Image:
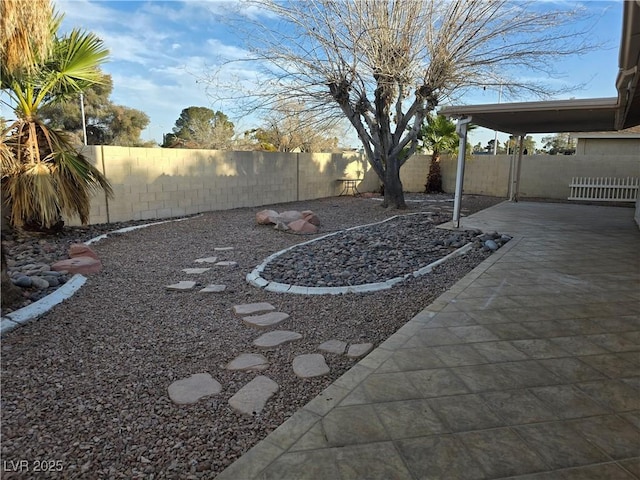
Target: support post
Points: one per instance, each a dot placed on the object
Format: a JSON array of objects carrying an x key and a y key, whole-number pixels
[
  {"x": 516, "y": 167},
  {"x": 461, "y": 130}
]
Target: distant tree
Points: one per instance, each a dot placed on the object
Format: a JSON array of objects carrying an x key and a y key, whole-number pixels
[
  {"x": 292, "y": 127},
  {"x": 490, "y": 146},
  {"x": 559, "y": 144},
  {"x": 201, "y": 127},
  {"x": 477, "y": 148},
  {"x": 106, "y": 122}
]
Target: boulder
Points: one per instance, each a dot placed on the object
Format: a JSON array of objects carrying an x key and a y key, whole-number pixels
[
  {"x": 289, "y": 216},
  {"x": 265, "y": 217},
  {"x": 82, "y": 265},
  {"x": 81, "y": 250},
  {"x": 302, "y": 226},
  {"x": 311, "y": 217},
  {"x": 281, "y": 226}
]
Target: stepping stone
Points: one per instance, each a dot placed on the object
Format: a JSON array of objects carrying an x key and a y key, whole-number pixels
[
  {"x": 333, "y": 346},
  {"x": 252, "y": 398},
  {"x": 195, "y": 270},
  {"x": 192, "y": 389},
  {"x": 206, "y": 260},
  {"x": 248, "y": 361},
  {"x": 265, "y": 320},
  {"x": 359, "y": 350},
  {"x": 222, "y": 249},
  {"x": 213, "y": 289},
  {"x": 310, "y": 365},
  {"x": 227, "y": 263},
  {"x": 249, "y": 308},
  {"x": 182, "y": 285},
  {"x": 275, "y": 338}
]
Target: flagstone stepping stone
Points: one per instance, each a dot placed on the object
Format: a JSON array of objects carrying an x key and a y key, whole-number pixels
[
  {"x": 252, "y": 398},
  {"x": 249, "y": 308},
  {"x": 333, "y": 346},
  {"x": 182, "y": 285},
  {"x": 226, "y": 263},
  {"x": 195, "y": 270},
  {"x": 359, "y": 350},
  {"x": 266, "y": 319},
  {"x": 275, "y": 338},
  {"x": 223, "y": 249},
  {"x": 248, "y": 361},
  {"x": 193, "y": 388},
  {"x": 310, "y": 365},
  {"x": 213, "y": 289},
  {"x": 206, "y": 260}
]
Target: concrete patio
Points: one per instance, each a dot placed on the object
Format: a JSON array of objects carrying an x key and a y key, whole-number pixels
[{"x": 529, "y": 367}]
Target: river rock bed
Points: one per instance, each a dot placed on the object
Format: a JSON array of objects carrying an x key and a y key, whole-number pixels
[{"x": 374, "y": 253}]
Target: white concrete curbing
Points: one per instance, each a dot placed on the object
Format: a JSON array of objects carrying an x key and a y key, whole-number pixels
[{"x": 34, "y": 310}]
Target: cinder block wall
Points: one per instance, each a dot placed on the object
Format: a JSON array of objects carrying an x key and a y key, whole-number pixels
[
  {"x": 151, "y": 183},
  {"x": 542, "y": 176}
]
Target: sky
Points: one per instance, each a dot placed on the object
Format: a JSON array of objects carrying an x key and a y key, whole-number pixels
[{"x": 160, "y": 51}]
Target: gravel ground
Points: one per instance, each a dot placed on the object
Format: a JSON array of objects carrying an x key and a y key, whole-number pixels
[{"x": 86, "y": 384}]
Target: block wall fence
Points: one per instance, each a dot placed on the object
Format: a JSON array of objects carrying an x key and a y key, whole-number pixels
[{"x": 155, "y": 183}]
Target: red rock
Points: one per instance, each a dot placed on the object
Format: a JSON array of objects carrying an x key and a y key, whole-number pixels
[
  {"x": 312, "y": 218},
  {"x": 289, "y": 216},
  {"x": 302, "y": 226},
  {"x": 81, "y": 250},
  {"x": 265, "y": 217},
  {"x": 82, "y": 265}
]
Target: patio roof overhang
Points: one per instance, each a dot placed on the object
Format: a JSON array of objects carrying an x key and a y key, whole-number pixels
[
  {"x": 590, "y": 115},
  {"x": 585, "y": 115}
]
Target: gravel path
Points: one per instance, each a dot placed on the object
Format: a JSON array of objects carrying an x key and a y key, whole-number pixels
[{"x": 86, "y": 384}]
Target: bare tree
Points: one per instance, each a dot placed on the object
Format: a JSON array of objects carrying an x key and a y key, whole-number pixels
[
  {"x": 385, "y": 64},
  {"x": 290, "y": 127}
]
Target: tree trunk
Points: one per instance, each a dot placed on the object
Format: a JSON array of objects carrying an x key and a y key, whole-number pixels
[
  {"x": 393, "y": 193},
  {"x": 434, "y": 177}
]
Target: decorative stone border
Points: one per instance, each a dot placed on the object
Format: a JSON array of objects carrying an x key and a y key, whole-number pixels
[
  {"x": 34, "y": 310},
  {"x": 254, "y": 278}
]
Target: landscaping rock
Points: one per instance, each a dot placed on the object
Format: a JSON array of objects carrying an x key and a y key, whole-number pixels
[
  {"x": 266, "y": 217},
  {"x": 276, "y": 338},
  {"x": 81, "y": 250},
  {"x": 195, "y": 271},
  {"x": 359, "y": 350},
  {"x": 82, "y": 265},
  {"x": 310, "y": 365},
  {"x": 182, "y": 285},
  {"x": 213, "y": 289},
  {"x": 252, "y": 398},
  {"x": 249, "y": 361},
  {"x": 302, "y": 226},
  {"x": 333, "y": 346},
  {"x": 289, "y": 216},
  {"x": 192, "y": 389},
  {"x": 311, "y": 217},
  {"x": 249, "y": 308},
  {"x": 265, "y": 320}
]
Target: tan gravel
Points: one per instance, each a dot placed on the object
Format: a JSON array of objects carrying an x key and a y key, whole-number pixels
[{"x": 86, "y": 384}]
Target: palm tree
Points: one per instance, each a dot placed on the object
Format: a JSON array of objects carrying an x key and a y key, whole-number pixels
[
  {"x": 438, "y": 134},
  {"x": 42, "y": 173},
  {"x": 26, "y": 35}
]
